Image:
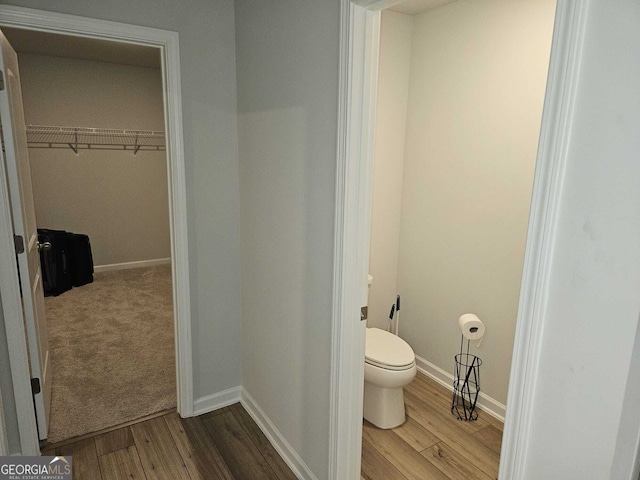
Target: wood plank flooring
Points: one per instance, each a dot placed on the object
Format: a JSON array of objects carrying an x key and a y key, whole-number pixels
[
  {"x": 228, "y": 445},
  {"x": 225, "y": 444},
  {"x": 432, "y": 444}
]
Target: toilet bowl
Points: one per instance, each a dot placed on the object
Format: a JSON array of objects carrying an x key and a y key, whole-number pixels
[{"x": 390, "y": 364}]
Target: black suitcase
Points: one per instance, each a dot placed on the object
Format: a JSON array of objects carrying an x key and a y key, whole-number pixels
[
  {"x": 54, "y": 262},
  {"x": 80, "y": 259}
]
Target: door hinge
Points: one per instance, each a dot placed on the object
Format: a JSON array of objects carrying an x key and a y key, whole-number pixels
[
  {"x": 35, "y": 386},
  {"x": 364, "y": 312},
  {"x": 1, "y": 80},
  {"x": 18, "y": 240}
]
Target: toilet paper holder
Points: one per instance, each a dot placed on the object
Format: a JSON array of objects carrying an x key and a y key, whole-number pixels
[{"x": 466, "y": 384}]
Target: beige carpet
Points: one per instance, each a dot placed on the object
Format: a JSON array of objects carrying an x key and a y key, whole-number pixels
[{"x": 112, "y": 351}]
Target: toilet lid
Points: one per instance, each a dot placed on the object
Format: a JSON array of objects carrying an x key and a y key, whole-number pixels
[{"x": 387, "y": 350}]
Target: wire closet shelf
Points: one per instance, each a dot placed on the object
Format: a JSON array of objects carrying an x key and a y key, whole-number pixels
[{"x": 86, "y": 138}]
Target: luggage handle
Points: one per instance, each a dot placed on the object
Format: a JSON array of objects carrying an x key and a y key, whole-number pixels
[{"x": 44, "y": 246}]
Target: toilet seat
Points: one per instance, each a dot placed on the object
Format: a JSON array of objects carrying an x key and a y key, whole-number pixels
[
  {"x": 390, "y": 365},
  {"x": 388, "y": 351}
]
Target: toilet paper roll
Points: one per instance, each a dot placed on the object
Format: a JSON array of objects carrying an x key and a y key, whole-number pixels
[{"x": 471, "y": 326}]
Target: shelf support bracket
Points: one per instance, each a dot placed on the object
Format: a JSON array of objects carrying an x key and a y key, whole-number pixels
[
  {"x": 75, "y": 148},
  {"x": 136, "y": 147}
]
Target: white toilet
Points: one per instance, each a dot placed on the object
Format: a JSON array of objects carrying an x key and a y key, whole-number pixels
[{"x": 390, "y": 364}]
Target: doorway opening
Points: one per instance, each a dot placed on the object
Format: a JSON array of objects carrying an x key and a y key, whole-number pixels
[
  {"x": 176, "y": 272},
  {"x": 95, "y": 136},
  {"x": 359, "y": 48},
  {"x": 456, "y": 136}
]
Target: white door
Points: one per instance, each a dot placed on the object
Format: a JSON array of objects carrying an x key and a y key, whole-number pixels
[{"x": 16, "y": 157}]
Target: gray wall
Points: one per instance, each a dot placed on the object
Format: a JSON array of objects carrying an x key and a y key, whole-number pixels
[
  {"x": 591, "y": 315},
  {"x": 287, "y": 62},
  {"x": 118, "y": 199},
  {"x": 207, "y": 60}
]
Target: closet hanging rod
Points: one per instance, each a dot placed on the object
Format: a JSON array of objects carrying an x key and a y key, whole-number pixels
[{"x": 87, "y": 138}]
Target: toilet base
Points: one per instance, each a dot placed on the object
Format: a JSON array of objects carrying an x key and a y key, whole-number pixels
[{"x": 384, "y": 407}]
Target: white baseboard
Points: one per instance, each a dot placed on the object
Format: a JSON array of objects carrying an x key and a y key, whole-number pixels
[
  {"x": 485, "y": 402},
  {"x": 217, "y": 400},
  {"x": 126, "y": 265},
  {"x": 278, "y": 441}
]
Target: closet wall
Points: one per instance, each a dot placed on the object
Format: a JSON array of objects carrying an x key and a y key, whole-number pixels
[{"x": 118, "y": 199}]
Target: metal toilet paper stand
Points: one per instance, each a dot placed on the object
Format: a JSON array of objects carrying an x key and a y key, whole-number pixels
[{"x": 466, "y": 384}]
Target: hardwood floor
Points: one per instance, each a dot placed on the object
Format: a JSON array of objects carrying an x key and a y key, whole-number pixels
[
  {"x": 228, "y": 445},
  {"x": 225, "y": 444},
  {"x": 432, "y": 444}
]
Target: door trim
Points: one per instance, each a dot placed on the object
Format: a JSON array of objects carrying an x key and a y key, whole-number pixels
[
  {"x": 555, "y": 135},
  {"x": 4, "y": 442},
  {"x": 14, "y": 327},
  {"x": 359, "y": 38},
  {"x": 167, "y": 43}
]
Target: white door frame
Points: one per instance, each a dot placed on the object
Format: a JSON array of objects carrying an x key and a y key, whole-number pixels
[
  {"x": 359, "y": 39},
  {"x": 167, "y": 43},
  {"x": 4, "y": 442}
]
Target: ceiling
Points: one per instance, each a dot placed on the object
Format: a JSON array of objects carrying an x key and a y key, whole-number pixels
[
  {"x": 413, "y": 7},
  {"x": 57, "y": 45}
]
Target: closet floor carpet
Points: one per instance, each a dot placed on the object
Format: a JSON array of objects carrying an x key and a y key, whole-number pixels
[{"x": 112, "y": 351}]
